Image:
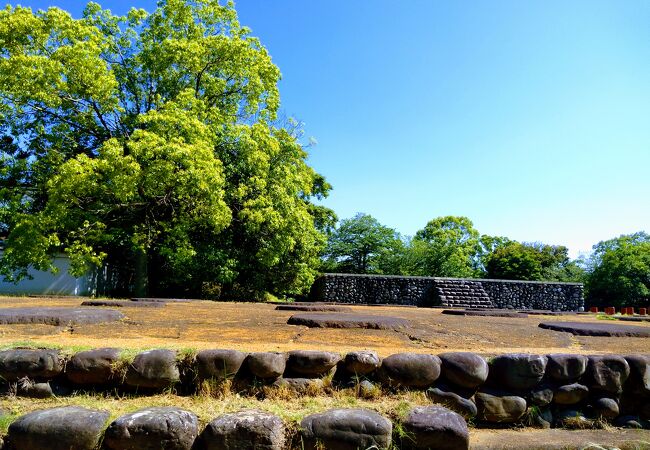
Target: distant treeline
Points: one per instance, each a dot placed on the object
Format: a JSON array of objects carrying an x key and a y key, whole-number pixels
[{"x": 617, "y": 271}]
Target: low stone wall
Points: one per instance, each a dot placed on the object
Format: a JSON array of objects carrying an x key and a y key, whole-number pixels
[
  {"x": 541, "y": 390},
  {"x": 431, "y": 291}
]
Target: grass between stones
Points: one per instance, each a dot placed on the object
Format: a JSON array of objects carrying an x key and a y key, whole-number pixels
[{"x": 219, "y": 399}]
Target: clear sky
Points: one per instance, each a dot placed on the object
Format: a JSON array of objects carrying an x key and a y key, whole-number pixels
[{"x": 532, "y": 118}]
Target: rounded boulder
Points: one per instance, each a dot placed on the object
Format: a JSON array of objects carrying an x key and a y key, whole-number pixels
[
  {"x": 311, "y": 363},
  {"x": 252, "y": 429},
  {"x": 346, "y": 429},
  {"x": 92, "y": 367},
  {"x": 153, "y": 429},
  {"x": 499, "y": 408},
  {"x": 218, "y": 364},
  {"x": 517, "y": 371},
  {"x": 361, "y": 362},
  {"x": 465, "y": 369},
  {"x": 153, "y": 369},
  {"x": 65, "y": 428},
  {"x": 563, "y": 367},
  {"x": 266, "y": 365},
  {"x": 435, "y": 427},
  {"x": 410, "y": 370}
]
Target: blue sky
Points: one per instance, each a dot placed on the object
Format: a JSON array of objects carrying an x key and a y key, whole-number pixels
[{"x": 532, "y": 118}]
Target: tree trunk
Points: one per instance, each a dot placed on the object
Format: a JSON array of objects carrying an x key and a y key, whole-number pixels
[{"x": 141, "y": 288}]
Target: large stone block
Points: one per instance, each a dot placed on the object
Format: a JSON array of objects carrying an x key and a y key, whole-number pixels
[
  {"x": 34, "y": 364},
  {"x": 410, "y": 370},
  {"x": 563, "y": 367},
  {"x": 517, "y": 371},
  {"x": 435, "y": 427},
  {"x": 218, "y": 364},
  {"x": 639, "y": 379},
  {"x": 453, "y": 401},
  {"x": 65, "y": 428},
  {"x": 311, "y": 363},
  {"x": 267, "y": 365},
  {"x": 346, "y": 429},
  {"x": 607, "y": 373},
  {"x": 464, "y": 369},
  {"x": 570, "y": 394},
  {"x": 497, "y": 407},
  {"x": 361, "y": 362},
  {"x": 250, "y": 429},
  {"x": 93, "y": 367},
  {"x": 153, "y": 369},
  {"x": 153, "y": 429}
]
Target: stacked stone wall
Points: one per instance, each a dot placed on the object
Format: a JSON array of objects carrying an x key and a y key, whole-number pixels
[
  {"x": 433, "y": 291},
  {"x": 563, "y": 390}
]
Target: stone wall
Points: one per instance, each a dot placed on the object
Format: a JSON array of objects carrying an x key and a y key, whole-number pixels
[
  {"x": 430, "y": 291},
  {"x": 564, "y": 390}
]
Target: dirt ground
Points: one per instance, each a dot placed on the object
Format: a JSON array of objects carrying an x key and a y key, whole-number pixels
[
  {"x": 559, "y": 439},
  {"x": 259, "y": 327}
]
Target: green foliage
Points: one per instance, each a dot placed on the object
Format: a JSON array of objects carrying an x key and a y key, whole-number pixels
[
  {"x": 619, "y": 271},
  {"x": 449, "y": 247},
  {"x": 148, "y": 140},
  {"x": 536, "y": 261},
  {"x": 362, "y": 245}
]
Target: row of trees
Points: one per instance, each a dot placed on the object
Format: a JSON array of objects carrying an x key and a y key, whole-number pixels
[{"x": 617, "y": 272}]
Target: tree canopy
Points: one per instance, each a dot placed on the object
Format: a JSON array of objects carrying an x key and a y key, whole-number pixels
[
  {"x": 152, "y": 138},
  {"x": 619, "y": 271},
  {"x": 362, "y": 245}
]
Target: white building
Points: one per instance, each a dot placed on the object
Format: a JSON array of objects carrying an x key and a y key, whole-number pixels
[{"x": 60, "y": 283}]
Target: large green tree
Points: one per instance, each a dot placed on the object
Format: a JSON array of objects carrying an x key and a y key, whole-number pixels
[
  {"x": 532, "y": 261},
  {"x": 447, "y": 247},
  {"x": 363, "y": 245},
  {"x": 148, "y": 141},
  {"x": 619, "y": 271}
]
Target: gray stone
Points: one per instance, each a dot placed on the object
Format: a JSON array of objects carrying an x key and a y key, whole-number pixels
[
  {"x": 597, "y": 329},
  {"x": 347, "y": 320},
  {"x": 570, "y": 394},
  {"x": 313, "y": 308},
  {"x": 311, "y": 363},
  {"x": 34, "y": 390},
  {"x": 607, "y": 373},
  {"x": 453, "y": 401},
  {"x": 563, "y": 367},
  {"x": 541, "y": 396},
  {"x": 300, "y": 385},
  {"x": 606, "y": 407},
  {"x": 638, "y": 381},
  {"x": 464, "y": 369},
  {"x": 218, "y": 364},
  {"x": 410, "y": 370},
  {"x": 361, "y": 362},
  {"x": 93, "y": 367},
  {"x": 153, "y": 369},
  {"x": 123, "y": 303},
  {"x": 58, "y": 316},
  {"x": 499, "y": 407},
  {"x": 266, "y": 365},
  {"x": 629, "y": 421},
  {"x": 367, "y": 389},
  {"x": 517, "y": 371},
  {"x": 33, "y": 364},
  {"x": 153, "y": 429},
  {"x": 250, "y": 429},
  {"x": 346, "y": 429},
  {"x": 65, "y": 428},
  {"x": 435, "y": 427}
]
